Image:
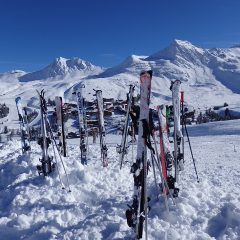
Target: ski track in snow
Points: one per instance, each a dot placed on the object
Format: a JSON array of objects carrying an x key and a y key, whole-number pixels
[{"x": 34, "y": 207}]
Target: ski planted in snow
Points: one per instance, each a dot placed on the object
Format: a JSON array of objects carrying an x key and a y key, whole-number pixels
[
  {"x": 47, "y": 166},
  {"x": 83, "y": 132},
  {"x": 166, "y": 157},
  {"x": 123, "y": 148},
  {"x": 102, "y": 131},
  {"x": 137, "y": 213},
  {"x": 60, "y": 124},
  {"x": 23, "y": 126},
  {"x": 177, "y": 137},
  {"x": 163, "y": 150}
]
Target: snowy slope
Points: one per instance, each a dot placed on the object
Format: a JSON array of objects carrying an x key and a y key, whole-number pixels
[
  {"x": 9, "y": 81},
  {"x": 34, "y": 207},
  {"x": 225, "y": 65}
]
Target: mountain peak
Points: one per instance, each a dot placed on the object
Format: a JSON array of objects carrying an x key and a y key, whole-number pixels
[
  {"x": 182, "y": 42},
  {"x": 178, "y": 49},
  {"x": 60, "y": 60},
  {"x": 60, "y": 67},
  {"x": 132, "y": 64}
]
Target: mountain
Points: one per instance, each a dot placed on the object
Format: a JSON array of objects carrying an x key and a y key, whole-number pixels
[
  {"x": 225, "y": 66},
  {"x": 61, "y": 67},
  {"x": 132, "y": 65},
  {"x": 209, "y": 77},
  {"x": 192, "y": 65},
  {"x": 10, "y": 81},
  {"x": 181, "y": 51}
]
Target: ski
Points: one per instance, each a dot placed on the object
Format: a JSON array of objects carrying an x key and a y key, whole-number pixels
[
  {"x": 138, "y": 211},
  {"x": 178, "y": 155},
  {"x": 85, "y": 125},
  {"x": 55, "y": 145},
  {"x": 163, "y": 150},
  {"x": 83, "y": 132},
  {"x": 123, "y": 148},
  {"x": 47, "y": 166},
  {"x": 166, "y": 157},
  {"x": 23, "y": 126},
  {"x": 101, "y": 126},
  {"x": 60, "y": 124}
]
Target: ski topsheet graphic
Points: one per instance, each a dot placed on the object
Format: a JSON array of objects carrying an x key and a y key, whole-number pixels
[{"x": 23, "y": 125}]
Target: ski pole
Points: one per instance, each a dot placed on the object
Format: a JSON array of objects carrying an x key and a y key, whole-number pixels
[
  {"x": 183, "y": 119},
  {"x": 191, "y": 151},
  {"x": 54, "y": 140}
]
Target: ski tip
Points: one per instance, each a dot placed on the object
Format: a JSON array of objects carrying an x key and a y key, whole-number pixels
[{"x": 17, "y": 99}]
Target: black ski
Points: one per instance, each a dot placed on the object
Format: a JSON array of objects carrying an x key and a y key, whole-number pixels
[
  {"x": 123, "y": 148},
  {"x": 60, "y": 123},
  {"x": 47, "y": 166},
  {"x": 23, "y": 126}
]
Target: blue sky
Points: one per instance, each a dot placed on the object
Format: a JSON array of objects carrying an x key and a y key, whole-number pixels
[{"x": 105, "y": 32}]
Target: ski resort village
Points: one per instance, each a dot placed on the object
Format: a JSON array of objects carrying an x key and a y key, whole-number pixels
[{"x": 147, "y": 149}]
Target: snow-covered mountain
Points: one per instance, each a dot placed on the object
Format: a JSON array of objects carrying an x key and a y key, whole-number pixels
[
  {"x": 61, "y": 67},
  {"x": 132, "y": 65},
  {"x": 182, "y": 60},
  {"x": 209, "y": 77},
  {"x": 9, "y": 81}
]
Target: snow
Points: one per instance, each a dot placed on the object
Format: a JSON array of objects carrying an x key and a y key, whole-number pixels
[{"x": 34, "y": 207}]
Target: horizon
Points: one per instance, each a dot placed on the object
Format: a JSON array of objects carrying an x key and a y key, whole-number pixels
[{"x": 105, "y": 33}]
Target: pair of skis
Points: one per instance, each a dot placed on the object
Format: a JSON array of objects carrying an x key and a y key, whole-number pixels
[
  {"x": 83, "y": 125},
  {"x": 101, "y": 127},
  {"x": 178, "y": 134},
  {"x": 83, "y": 132},
  {"x": 47, "y": 137},
  {"x": 47, "y": 166},
  {"x": 60, "y": 124},
  {"x": 24, "y": 128},
  {"x": 122, "y": 149},
  {"x": 167, "y": 115}
]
